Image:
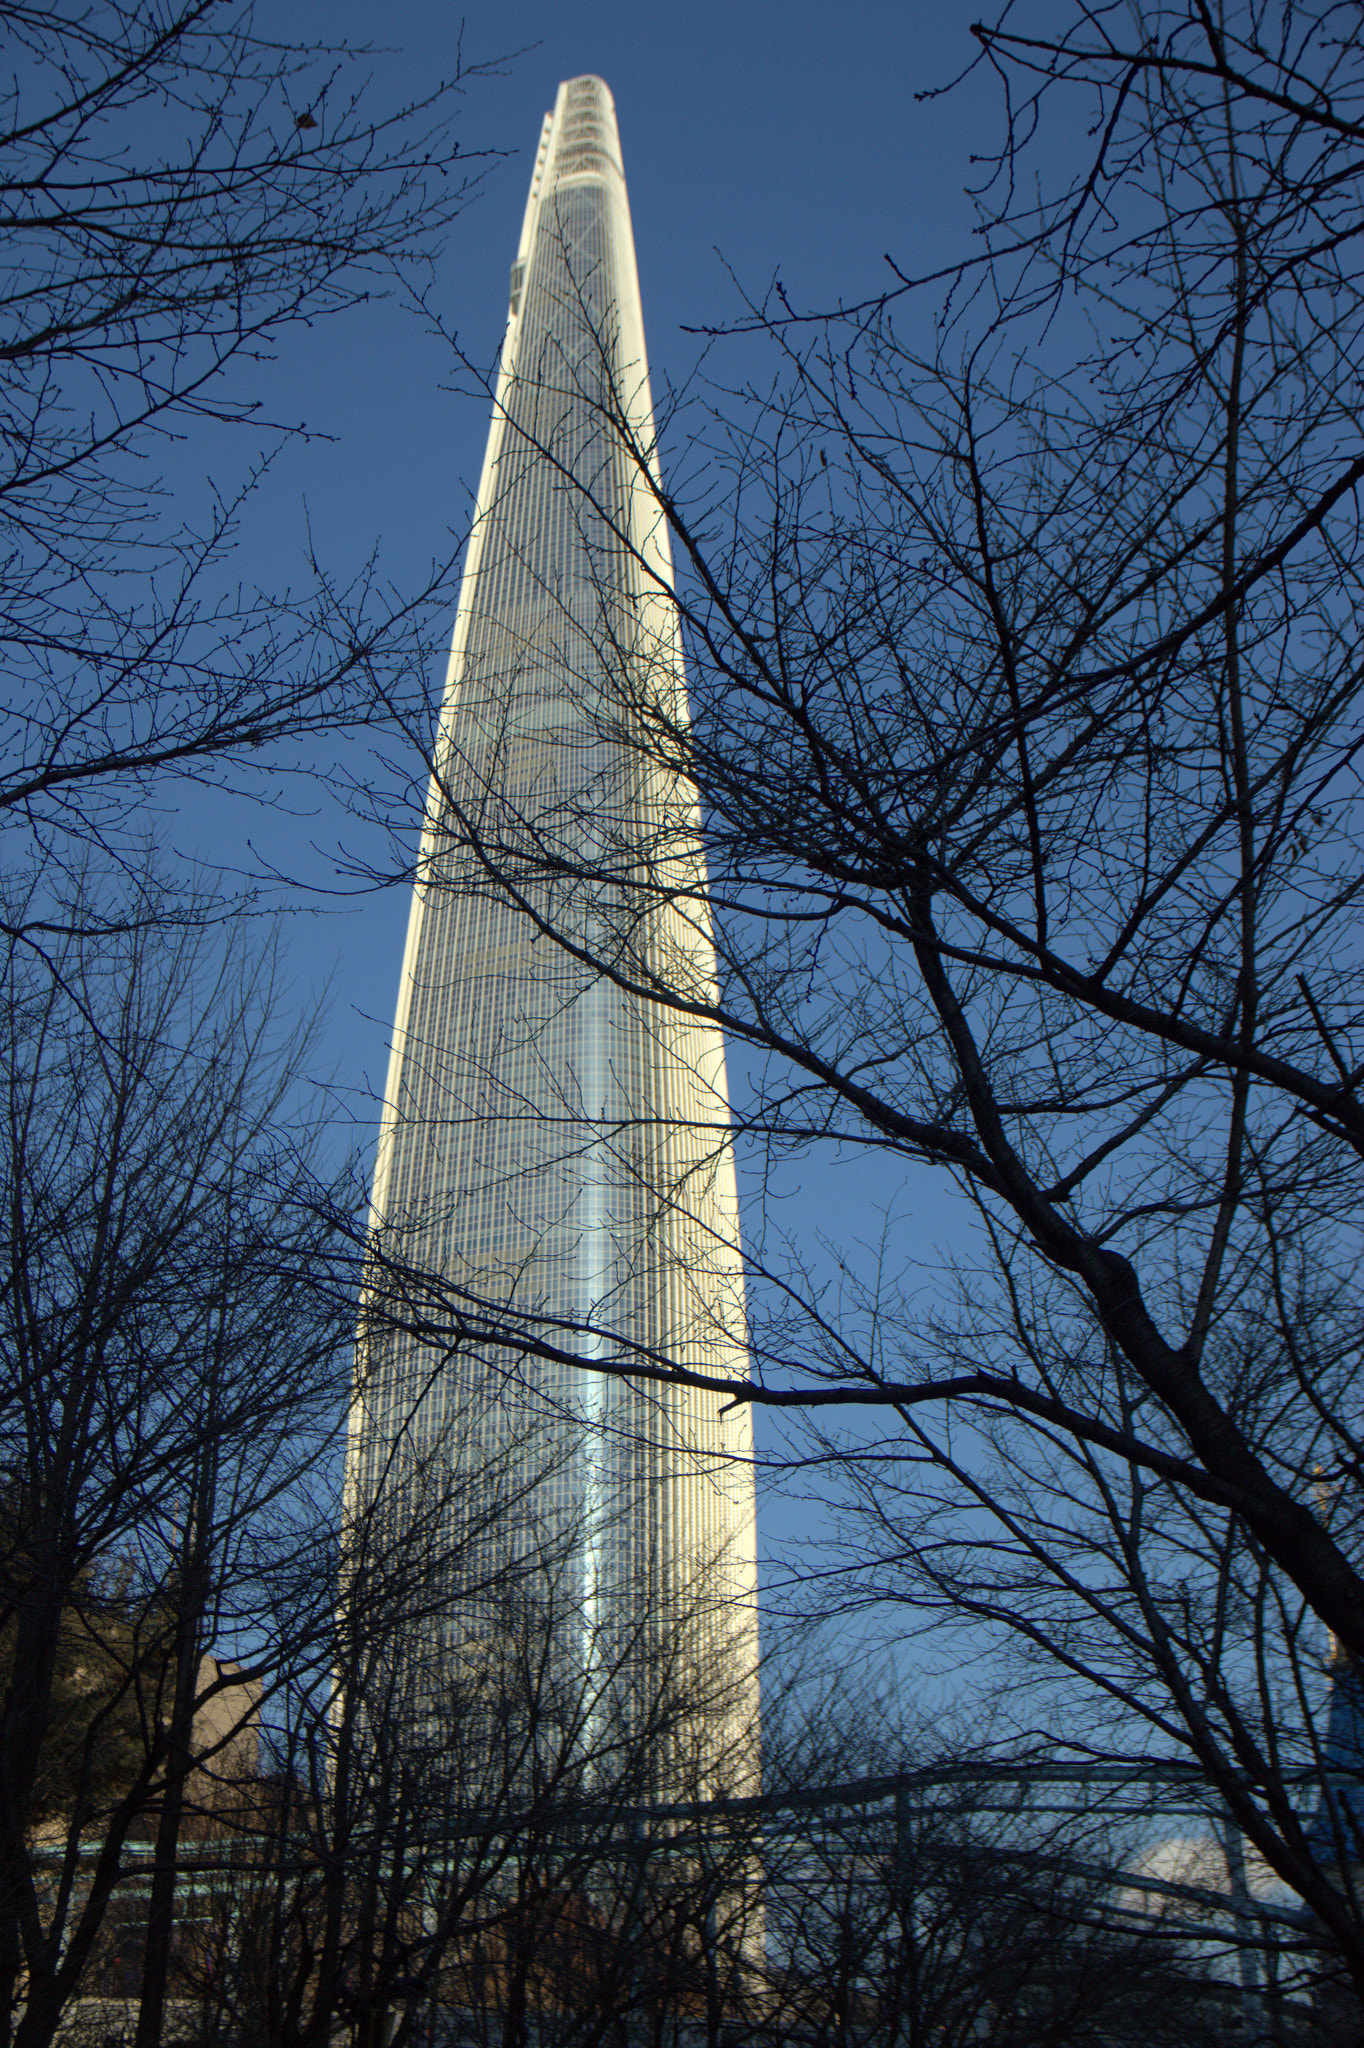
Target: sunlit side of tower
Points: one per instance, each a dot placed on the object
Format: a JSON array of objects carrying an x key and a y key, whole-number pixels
[{"x": 554, "y": 1145}]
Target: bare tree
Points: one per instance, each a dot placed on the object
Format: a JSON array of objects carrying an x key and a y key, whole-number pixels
[
  {"x": 175, "y": 1365},
  {"x": 957, "y": 1894},
  {"x": 1023, "y": 662},
  {"x": 179, "y": 188},
  {"x": 457, "y": 1830}
]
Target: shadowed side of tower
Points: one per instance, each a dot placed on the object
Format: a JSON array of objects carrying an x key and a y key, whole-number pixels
[{"x": 554, "y": 1191}]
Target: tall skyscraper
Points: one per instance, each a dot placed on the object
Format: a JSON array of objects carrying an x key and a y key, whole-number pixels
[{"x": 555, "y": 1144}]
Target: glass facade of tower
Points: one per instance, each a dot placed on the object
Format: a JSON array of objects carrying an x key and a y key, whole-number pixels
[{"x": 554, "y": 1145}]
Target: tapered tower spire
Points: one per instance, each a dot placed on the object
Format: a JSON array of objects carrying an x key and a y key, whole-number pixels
[{"x": 554, "y": 1207}]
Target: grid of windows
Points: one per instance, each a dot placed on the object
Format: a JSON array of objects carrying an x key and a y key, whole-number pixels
[{"x": 549, "y": 1142}]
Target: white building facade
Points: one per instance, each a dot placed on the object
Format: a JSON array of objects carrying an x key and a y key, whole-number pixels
[{"x": 555, "y": 1149}]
